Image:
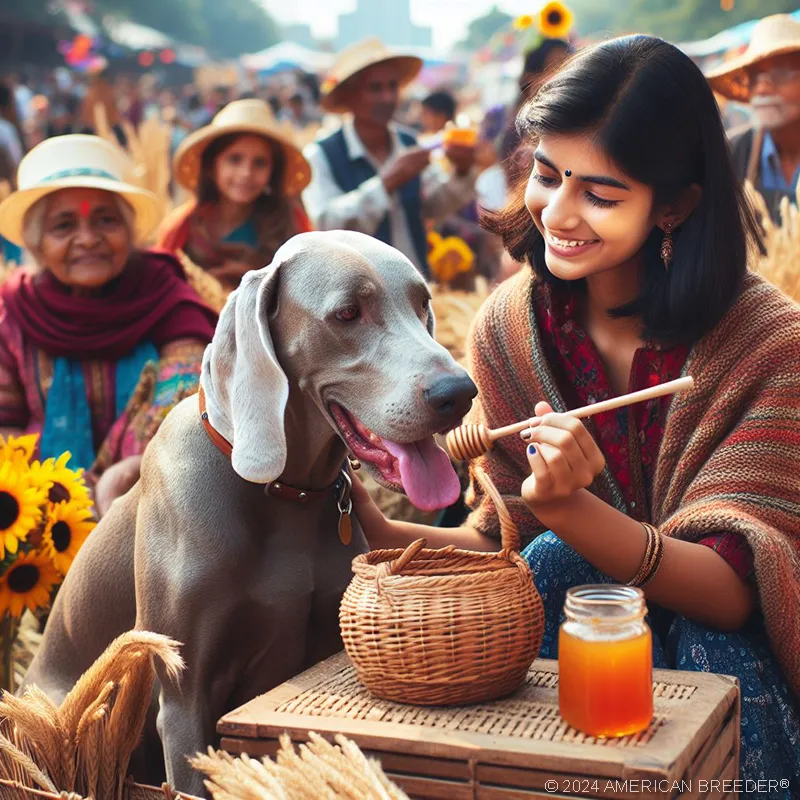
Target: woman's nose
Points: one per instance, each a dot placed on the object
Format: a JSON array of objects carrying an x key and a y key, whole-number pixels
[
  {"x": 86, "y": 235},
  {"x": 560, "y": 214}
]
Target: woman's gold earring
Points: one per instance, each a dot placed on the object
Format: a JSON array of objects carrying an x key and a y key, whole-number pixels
[
  {"x": 667, "y": 245},
  {"x": 355, "y": 464}
]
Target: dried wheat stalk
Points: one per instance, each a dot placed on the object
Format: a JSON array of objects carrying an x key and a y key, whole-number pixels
[
  {"x": 781, "y": 264},
  {"x": 318, "y": 770},
  {"x": 84, "y": 746}
]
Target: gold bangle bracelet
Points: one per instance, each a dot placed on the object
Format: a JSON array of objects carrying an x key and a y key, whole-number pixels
[{"x": 649, "y": 555}]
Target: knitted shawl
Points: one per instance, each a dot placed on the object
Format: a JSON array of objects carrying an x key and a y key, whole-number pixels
[{"x": 730, "y": 457}]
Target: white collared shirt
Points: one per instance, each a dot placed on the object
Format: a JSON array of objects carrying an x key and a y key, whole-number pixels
[{"x": 364, "y": 208}]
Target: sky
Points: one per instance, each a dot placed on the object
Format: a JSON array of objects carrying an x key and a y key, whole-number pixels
[{"x": 448, "y": 18}]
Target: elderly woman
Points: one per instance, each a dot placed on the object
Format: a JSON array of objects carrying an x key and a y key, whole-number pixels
[{"x": 99, "y": 339}]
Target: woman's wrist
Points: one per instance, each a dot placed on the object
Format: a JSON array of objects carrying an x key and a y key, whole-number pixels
[{"x": 556, "y": 513}]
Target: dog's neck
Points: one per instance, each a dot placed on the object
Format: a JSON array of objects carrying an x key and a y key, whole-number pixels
[{"x": 315, "y": 453}]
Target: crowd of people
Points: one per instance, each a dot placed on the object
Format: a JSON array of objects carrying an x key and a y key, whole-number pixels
[{"x": 606, "y": 186}]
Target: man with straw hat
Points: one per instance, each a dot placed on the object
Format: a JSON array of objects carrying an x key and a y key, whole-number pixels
[
  {"x": 370, "y": 175},
  {"x": 767, "y": 77}
]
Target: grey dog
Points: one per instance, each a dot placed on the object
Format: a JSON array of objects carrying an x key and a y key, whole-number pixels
[{"x": 328, "y": 349}]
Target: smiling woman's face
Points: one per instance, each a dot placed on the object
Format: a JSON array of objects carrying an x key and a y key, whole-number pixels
[
  {"x": 85, "y": 240},
  {"x": 593, "y": 219}
]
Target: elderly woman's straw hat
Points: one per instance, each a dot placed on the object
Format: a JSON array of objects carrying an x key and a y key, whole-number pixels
[
  {"x": 356, "y": 59},
  {"x": 241, "y": 116},
  {"x": 76, "y": 161},
  {"x": 772, "y": 36}
]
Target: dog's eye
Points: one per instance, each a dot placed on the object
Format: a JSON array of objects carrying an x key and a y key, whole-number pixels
[{"x": 348, "y": 314}]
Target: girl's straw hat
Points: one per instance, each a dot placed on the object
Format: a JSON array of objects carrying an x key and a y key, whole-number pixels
[
  {"x": 356, "y": 59},
  {"x": 241, "y": 116},
  {"x": 772, "y": 36},
  {"x": 70, "y": 162}
]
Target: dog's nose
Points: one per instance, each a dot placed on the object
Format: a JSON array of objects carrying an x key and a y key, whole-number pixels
[{"x": 451, "y": 396}]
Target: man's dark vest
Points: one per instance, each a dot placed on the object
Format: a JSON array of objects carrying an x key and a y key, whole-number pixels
[{"x": 349, "y": 174}]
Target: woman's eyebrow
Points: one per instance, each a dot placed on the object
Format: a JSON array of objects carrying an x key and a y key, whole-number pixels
[{"x": 602, "y": 180}]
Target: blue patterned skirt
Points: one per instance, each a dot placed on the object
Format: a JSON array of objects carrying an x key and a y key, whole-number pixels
[{"x": 770, "y": 723}]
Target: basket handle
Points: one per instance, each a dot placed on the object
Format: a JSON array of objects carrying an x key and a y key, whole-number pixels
[
  {"x": 408, "y": 555},
  {"x": 509, "y": 533}
]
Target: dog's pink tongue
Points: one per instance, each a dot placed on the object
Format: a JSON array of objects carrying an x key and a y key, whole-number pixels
[{"x": 427, "y": 474}]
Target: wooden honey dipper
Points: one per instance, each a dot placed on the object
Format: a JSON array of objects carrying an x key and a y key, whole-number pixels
[{"x": 470, "y": 441}]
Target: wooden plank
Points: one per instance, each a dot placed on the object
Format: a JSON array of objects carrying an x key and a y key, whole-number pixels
[
  {"x": 654, "y": 784},
  {"x": 430, "y": 789},
  {"x": 448, "y": 769},
  {"x": 717, "y": 755}
]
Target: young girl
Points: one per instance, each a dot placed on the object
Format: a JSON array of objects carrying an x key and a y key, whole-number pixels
[
  {"x": 246, "y": 177},
  {"x": 637, "y": 236}
]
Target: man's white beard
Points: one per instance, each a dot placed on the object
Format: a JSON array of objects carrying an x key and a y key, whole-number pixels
[{"x": 773, "y": 112}]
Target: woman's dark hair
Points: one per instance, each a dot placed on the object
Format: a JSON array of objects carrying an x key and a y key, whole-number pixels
[
  {"x": 272, "y": 212},
  {"x": 652, "y": 112}
]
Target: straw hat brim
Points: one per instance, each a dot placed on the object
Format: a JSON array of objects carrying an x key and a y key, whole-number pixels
[
  {"x": 408, "y": 68},
  {"x": 188, "y": 156},
  {"x": 730, "y": 79},
  {"x": 148, "y": 209}
]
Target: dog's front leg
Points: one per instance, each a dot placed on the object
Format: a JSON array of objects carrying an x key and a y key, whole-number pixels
[{"x": 186, "y": 723}]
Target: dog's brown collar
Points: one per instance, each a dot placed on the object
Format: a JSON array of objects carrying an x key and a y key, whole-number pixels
[{"x": 276, "y": 488}]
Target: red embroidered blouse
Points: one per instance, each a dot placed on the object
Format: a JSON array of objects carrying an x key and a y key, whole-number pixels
[{"x": 581, "y": 378}]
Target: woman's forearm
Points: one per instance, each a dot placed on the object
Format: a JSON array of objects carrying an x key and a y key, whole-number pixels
[
  {"x": 693, "y": 581},
  {"x": 403, "y": 533}
]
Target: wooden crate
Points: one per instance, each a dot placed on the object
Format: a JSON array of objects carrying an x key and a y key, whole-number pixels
[
  {"x": 515, "y": 749},
  {"x": 131, "y": 791}
]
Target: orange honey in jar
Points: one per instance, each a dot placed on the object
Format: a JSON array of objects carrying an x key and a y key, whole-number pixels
[{"x": 605, "y": 661}]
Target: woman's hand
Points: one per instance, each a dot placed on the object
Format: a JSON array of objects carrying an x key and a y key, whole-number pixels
[
  {"x": 115, "y": 482},
  {"x": 377, "y": 529},
  {"x": 563, "y": 457}
]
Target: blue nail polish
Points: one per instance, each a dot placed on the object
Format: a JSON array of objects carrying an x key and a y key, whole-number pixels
[{"x": 531, "y": 450}]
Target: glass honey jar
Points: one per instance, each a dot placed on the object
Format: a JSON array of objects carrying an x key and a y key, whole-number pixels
[{"x": 605, "y": 661}]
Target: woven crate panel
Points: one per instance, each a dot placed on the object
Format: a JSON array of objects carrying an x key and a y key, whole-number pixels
[
  {"x": 343, "y": 696},
  {"x": 508, "y": 748}
]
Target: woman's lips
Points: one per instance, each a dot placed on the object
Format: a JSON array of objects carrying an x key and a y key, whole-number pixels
[{"x": 569, "y": 248}]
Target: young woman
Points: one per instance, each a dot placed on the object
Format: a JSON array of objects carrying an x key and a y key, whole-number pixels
[
  {"x": 246, "y": 177},
  {"x": 637, "y": 236}
]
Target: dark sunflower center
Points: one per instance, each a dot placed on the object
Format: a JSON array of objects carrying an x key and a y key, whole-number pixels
[
  {"x": 23, "y": 578},
  {"x": 62, "y": 536},
  {"x": 554, "y": 18},
  {"x": 9, "y": 510},
  {"x": 58, "y": 493}
]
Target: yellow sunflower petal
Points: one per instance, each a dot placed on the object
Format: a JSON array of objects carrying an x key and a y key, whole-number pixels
[
  {"x": 27, "y": 583},
  {"x": 68, "y": 526},
  {"x": 555, "y": 20}
]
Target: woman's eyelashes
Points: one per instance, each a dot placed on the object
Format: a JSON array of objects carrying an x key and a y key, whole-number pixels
[{"x": 549, "y": 181}]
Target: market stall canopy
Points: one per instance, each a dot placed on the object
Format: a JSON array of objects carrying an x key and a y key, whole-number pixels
[
  {"x": 725, "y": 41},
  {"x": 137, "y": 37},
  {"x": 287, "y": 56}
]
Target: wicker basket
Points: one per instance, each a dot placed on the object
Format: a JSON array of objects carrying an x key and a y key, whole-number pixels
[{"x": 443, "y": 627}]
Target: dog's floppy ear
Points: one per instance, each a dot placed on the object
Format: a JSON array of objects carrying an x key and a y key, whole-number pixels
[{"x": 245, "y": 386}]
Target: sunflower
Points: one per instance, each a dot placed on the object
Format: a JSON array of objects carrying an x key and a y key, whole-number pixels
[
  {"x": 449, "y": 258},
  {"x": 18, "y": 449},
  {"x": 68, "y": 525},
  {"x": 555, "y": 20},
  {"x": 20, "y": 508},
  {"x": 523, "y": 22},
  {"x": 65, "y": 484},
  {"x": 28, "y": 583}
]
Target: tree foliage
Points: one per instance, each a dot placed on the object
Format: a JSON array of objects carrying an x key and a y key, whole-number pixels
[
  {"x": 674, "y": 20},
  {"x": 480, "y": 30},
  {"x": 224, "y": 27}
]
